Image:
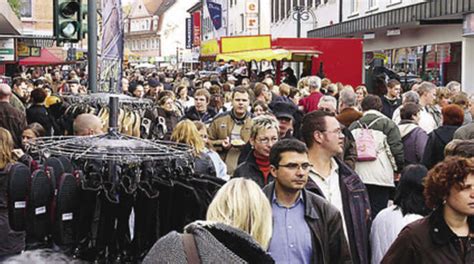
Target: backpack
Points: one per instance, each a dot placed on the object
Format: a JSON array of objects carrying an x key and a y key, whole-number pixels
[{"x": 365, "y": 142}]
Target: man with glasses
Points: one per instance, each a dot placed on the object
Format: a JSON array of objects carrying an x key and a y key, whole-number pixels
[
  {"x": 263, "y": 135},
  {"x": 332, "y": 179},
  {"x": 306, "y": 228}
]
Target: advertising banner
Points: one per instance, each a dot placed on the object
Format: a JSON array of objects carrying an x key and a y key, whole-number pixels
[
  {"x": 189, "y": 33},
  {"x": 215, "y": 12},
  {"x": 112, "y": 47},
  {"x": 197, "y": 28}
]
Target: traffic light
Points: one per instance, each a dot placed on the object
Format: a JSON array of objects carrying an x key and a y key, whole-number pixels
[
  {"x": 83, "y": 30},
  {"x": 67, "y": 20}
]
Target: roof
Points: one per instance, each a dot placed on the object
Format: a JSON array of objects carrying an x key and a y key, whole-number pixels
[
  {"x": 165, "y": 5},
  {"x": 152, "y": 5}
]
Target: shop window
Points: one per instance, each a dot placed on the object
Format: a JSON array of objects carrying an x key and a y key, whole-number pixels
[
  {"x": 288, "y": 8},
  {"x": 277, "y": 10},
  {"x": 25, "y": 8},
  {"x": 272, "y": 13},
  {"x": 242, "y": 19},
  {"x": 282, "y": 9}
]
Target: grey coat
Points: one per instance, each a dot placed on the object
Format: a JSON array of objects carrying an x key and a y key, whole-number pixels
[{"x": 215, "y": 242}]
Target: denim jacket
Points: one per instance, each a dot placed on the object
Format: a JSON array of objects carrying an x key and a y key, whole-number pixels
[{"x": 356, "y": 207}]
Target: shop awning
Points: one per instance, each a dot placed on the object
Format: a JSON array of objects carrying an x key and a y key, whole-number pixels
[
  {"x": 256, "y": 55},
  {"x": 46, "y": 58}
]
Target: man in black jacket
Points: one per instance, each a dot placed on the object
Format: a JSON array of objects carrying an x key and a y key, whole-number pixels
[
  {"x": 391, "y": 100},
  {"x": 11, "y": 118},
  {"x": 306, "y": 228},
  {"x": 201, "y": 110}
]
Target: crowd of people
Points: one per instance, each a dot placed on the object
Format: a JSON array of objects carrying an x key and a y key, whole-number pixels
[{"x": 317, "y": 171}]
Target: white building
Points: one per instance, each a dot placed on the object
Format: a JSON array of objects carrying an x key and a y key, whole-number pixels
[
  {"x": 411, "y": 36},
  {"x": 249, "y": 17}
]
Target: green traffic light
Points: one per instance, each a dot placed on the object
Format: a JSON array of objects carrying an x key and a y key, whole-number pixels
[{"x": 68, "y": 29}]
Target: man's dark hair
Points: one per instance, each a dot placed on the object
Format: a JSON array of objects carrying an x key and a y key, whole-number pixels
[
  {"x": 18, "y": 81},
  {"x": 408, "y": 110},
  {"x": 371, "y": 102},
  {"x": 38, "y": 95},
  {"x": 239, "y": 89},
  {"x": 314, "y": 121},
  {"x": 286, "y": 145}
]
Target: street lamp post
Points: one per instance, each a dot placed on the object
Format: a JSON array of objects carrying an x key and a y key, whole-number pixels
[{"x": 300, "y": 13}]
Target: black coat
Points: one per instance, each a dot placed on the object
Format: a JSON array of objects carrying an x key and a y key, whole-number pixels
[
  {"x": 193, "y": 115},
  {"x": 389, "y": 106},
  {"x": 39, "y": 114},
  {"x": 250, "y": 170},
  {"x": 437, "y": 140}
]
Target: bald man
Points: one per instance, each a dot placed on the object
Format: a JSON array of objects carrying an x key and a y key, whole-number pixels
[
  {"x": 87, "y": 125},
  {"x": 11, "y": 118}
]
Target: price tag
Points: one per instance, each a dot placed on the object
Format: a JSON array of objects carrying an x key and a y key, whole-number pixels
[
  {"x": 40, "y": 210},
  {"x": 67, "y": 216},
  {"x": 20, "y": 204}
]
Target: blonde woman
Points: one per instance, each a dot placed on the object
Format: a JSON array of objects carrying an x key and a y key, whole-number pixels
[
  {"x": 187, "y": 133},
  {"x": 11, "y": 242},
  {"x": 238, "y": 229},
  {"x": 221, "y": 167}
]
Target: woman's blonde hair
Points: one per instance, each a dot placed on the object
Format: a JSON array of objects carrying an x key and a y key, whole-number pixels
[
  {"x": 262, "y": 123},
  {"x": 241, "y": 203},
  {"x": 187, "y": 133},
  {"x": 6, "y": 147}
]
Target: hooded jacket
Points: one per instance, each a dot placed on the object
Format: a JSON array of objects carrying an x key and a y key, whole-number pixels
[
  {"x": 389, "y": 145},
  {"x": 215, "y": 243},
  {"x": 414, "y": 141},
  {"x": 437, "y": 140}
]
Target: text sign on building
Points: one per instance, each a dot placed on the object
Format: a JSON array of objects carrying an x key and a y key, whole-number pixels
[
  {"x": 468, "y": 25},
  {"x": 189, "y": 33},
  {"x": 251, "y": 7},
  {"x": 215, "y": 12},
  {"x": 197, "y": 28},
  {"x": 252, "y": 22},
  {"x": 7, "y": 49}
]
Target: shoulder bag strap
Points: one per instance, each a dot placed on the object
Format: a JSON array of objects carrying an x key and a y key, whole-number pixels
[
  {"x": 373, "y": 122},
  {"x": 190, "y": 249}
]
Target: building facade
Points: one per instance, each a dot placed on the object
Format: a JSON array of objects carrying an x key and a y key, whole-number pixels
[
  {"x": 414, "y": 38},
  {"x": 141, "y": 30}
]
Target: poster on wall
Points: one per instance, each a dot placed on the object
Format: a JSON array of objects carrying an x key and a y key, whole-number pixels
[
  {"x": 23, "y": 50},
  {"x": 7, "y": 49},
  {"x": 112, "y": 47}
]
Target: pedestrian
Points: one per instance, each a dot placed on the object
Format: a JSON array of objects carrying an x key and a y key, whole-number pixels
[
  {"x": 186, "y": 132},
  {"x": 306, "y": 227},
  {"x": 38, "y": 113},
  {"x": 445, "y": 236},
  {"x": 453, "y": 117},
  {"x": 263, "y": 135},
  {"x": 230, "y": 131},
  {"x": 219, "y": 165},
  {"x": 11, "y": 118},
  {"x": 310, "y": 103},
  {"x": 391, "y": 100},
  {"x": 426, "y": 91},
  {"x": 379, "y": 174},
  {"x": 414, "y": 138},
  {"x": 408, "y": 206},
  {"x": 348, "y": 111},
  {"x": 237, "y": 229},
  {"x": 11, "y": 242},
  {"x": 332, "y": 179}
]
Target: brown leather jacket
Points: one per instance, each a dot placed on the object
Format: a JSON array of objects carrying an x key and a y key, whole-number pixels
[{"x": 430, "y": 240}]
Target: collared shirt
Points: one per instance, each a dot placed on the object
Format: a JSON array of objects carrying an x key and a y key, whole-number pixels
[
  {"x": 291, "y": 240},
  {"x": 331, "y": 189}
]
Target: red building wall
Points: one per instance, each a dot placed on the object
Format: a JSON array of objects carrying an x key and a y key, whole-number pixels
[{"x": 342, "y": 58}]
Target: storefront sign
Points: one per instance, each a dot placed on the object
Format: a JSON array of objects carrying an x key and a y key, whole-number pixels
[
  {"x": 369, "y": 35},
  {"x": 215, "y": 12},
  {"x": 468, "y": 25},
  {"x": 393, "y": 32},
  {"x": 209, "y": 48},
  {"x": 252, "y": 22},
  {"x": 23, "y": 50},
  {"x": 189, "y": 33},
  {"x": 245, "y": 43},
  {"x": 7, "y": 49},
  {"x": 196, "y": 28},
  {"x": 251, "y": 7}
]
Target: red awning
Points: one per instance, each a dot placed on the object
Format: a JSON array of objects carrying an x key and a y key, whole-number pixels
[{"x": 46, "y": 58}]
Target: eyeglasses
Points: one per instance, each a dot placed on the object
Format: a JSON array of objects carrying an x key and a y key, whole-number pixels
[
  {"x": 336, "y": 131},
  {"x": 266, "y": 140},
  {"x": 295, "y": 166}
]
